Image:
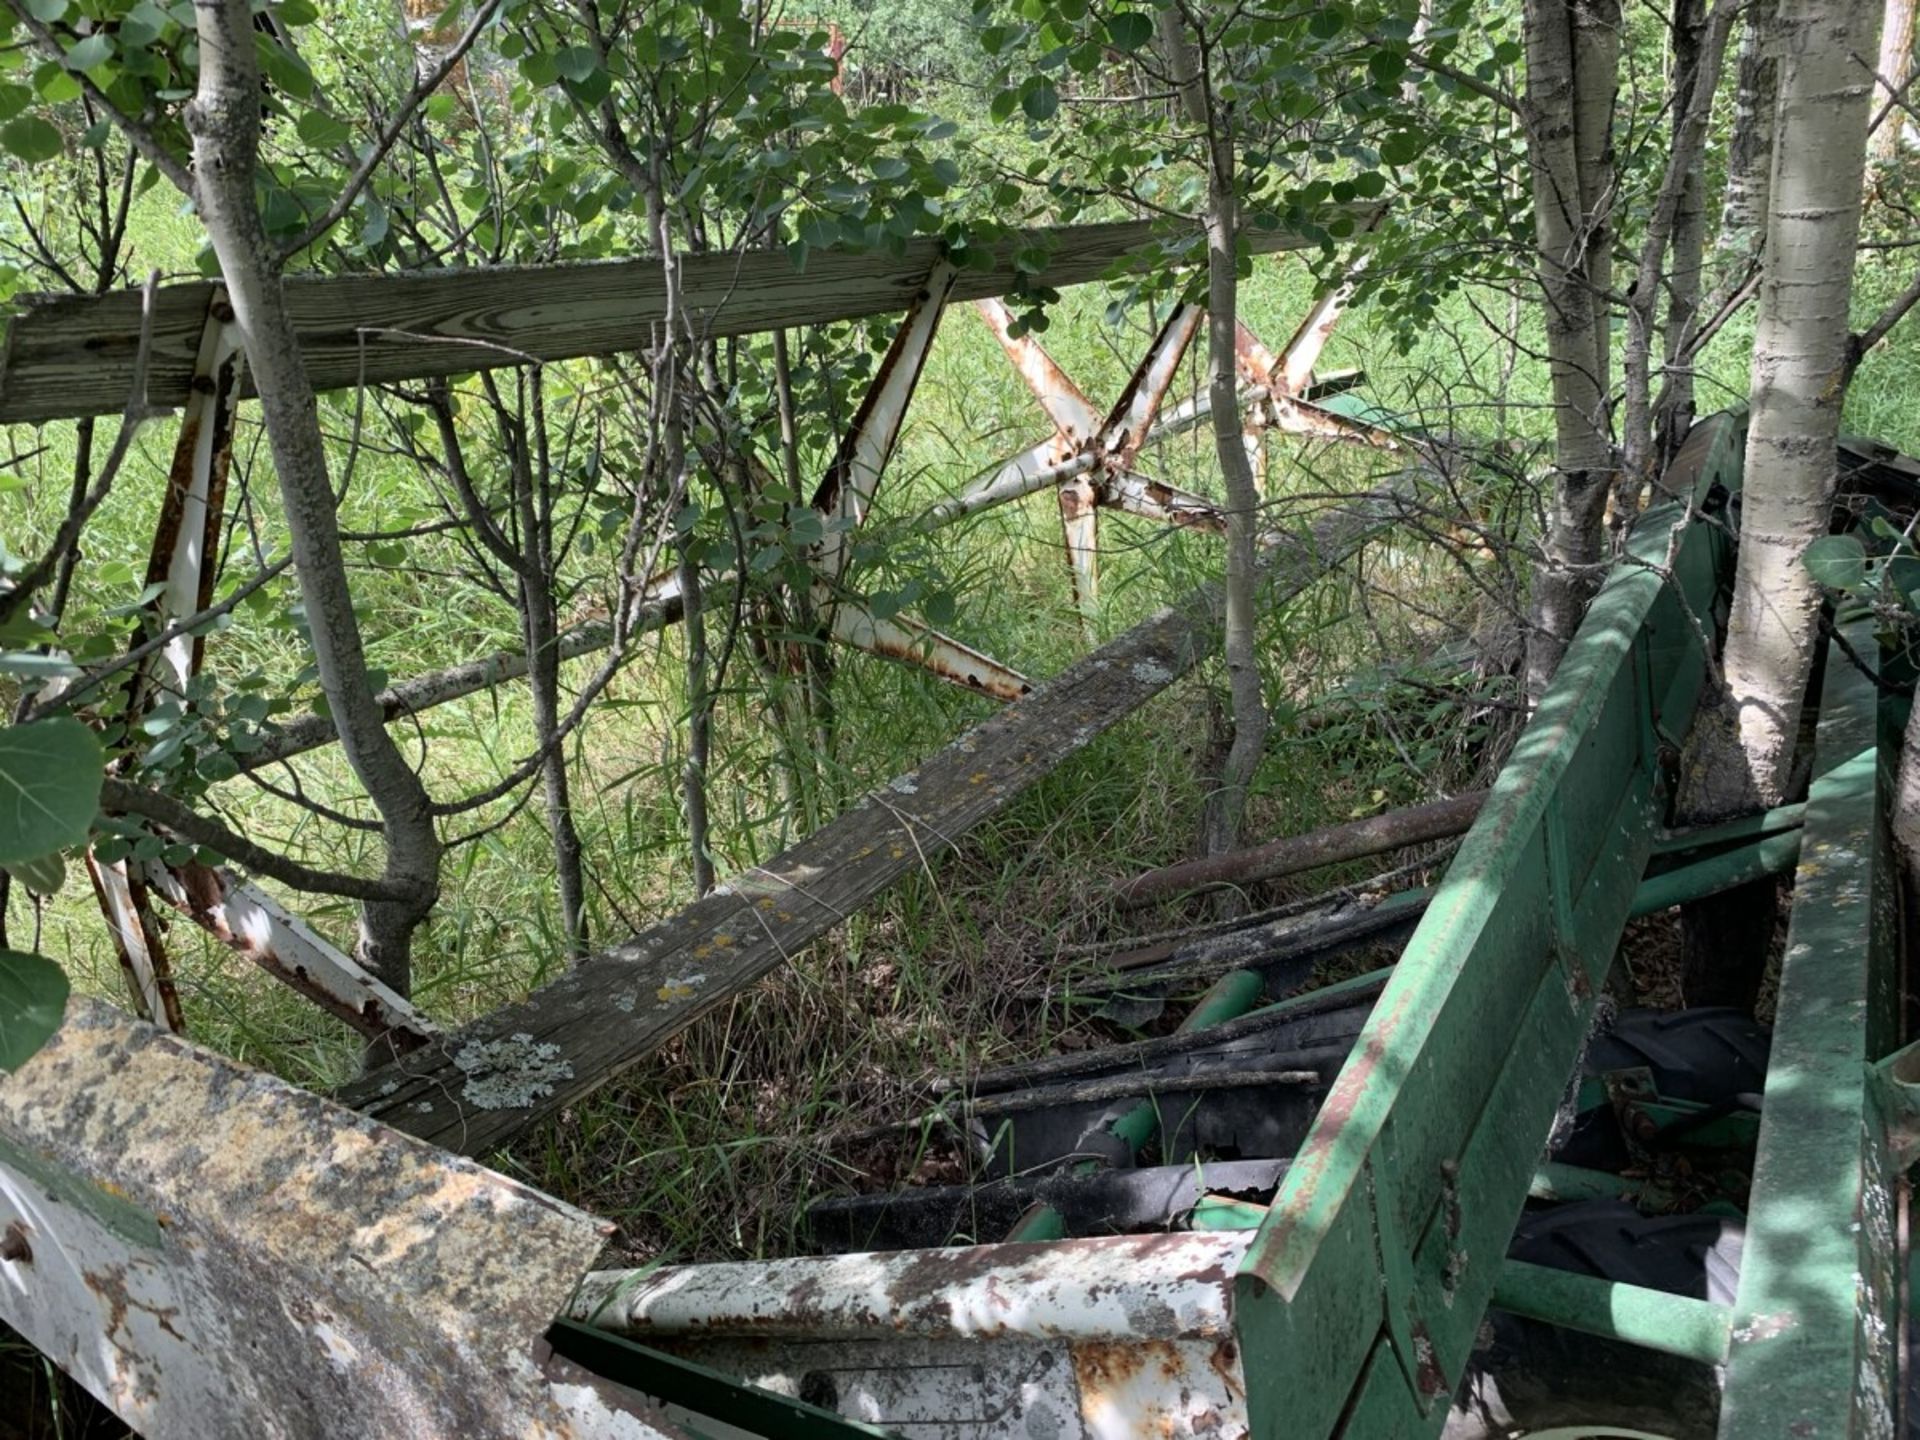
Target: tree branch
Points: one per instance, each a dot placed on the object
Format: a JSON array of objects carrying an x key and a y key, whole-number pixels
[
  {"x": 423, "y": 88},
  {"x": 197, "y": 829},
  {"x": 1895, "y": 312}
]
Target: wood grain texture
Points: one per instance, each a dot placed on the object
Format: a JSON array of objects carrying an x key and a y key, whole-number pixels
[
  {"x": 70, "y": 356},
  {"x": 475, "y": 1090}
]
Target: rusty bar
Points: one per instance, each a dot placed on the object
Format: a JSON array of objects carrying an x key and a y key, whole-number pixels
[
  {"x": 1075, "y": 421},
  {"x": 1027, "y": 473},
  {"x": 1103, "y": 1288},
  {"x": 913, "y": 643},
  {"x": 1077, "y": 1340},
  {"x": 1127, "y": 426},
  {"x": 186, "y": 532},
  {"x": 1080, "y": 531},
  {"x": 252, "y": 923},
  {"x": 142, "y": 961},
  {"x": 847, "y": 489},
  {"x": 1136, "y": 494}
]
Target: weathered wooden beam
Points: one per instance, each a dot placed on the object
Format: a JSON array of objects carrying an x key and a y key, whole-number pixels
[
  {"x": 69, "y": 356},
  {"x": 475, "y": 1090},
  {"x": 1331, "y": 845}
]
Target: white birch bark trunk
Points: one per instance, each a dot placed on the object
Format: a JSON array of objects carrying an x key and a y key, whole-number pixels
[
  {"x": 1800, "y": 357},
  {"x": 1572, "y": 67},
  {"x": 1743, "y": 212},
  {"x": 1894, "y": 68}
]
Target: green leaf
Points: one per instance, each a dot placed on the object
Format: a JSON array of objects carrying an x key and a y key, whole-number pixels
[
  {"x": 297, "y": 12},
  {"x": 50, "y": 11},
  {"x": 31, "y": 665},
  {"x": 43, "y": 876},
  {"x": 374, "y": 227},
  {"x": 92, "y": 51},
  {"x": 540, "y": 68},
  {"x": 33, "y": 1002},
  {"x": 1386, "y": 66},
  {"x": 576, "y": 62},
  {"x": 1837, "y": 561},
  {"x": 56, "y": 84},
  {"x": 144, "y": 24},
  {"x": 50, "y": 775},
  {"x": 1128, "y": 30},
  {"x": 1400, "y": 149},
  {"x": 31, "y": 138},
  {"x": 323, "y": 131},
  {"x": 1039, "y": 99}
]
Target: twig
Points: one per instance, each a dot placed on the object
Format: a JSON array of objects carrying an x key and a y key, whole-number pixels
[
  {"x": 423, "y": 87},
  {"x": 197, "y": 829}
]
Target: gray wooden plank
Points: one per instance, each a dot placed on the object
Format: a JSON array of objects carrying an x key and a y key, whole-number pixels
[
  {"x": 474, "y": 1090},
  {"x": 68, "y": 356}
]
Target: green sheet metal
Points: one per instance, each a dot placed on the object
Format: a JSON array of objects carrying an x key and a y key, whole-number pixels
[
  {"x": 1815, "y": 1318},
  {"x": 1388, "y": 1235}
]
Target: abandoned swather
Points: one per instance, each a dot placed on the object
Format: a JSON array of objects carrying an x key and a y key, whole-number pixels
[{"x": 1296, "y": 1216}]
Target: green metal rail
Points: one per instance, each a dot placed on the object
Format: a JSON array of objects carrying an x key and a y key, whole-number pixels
[
  {"x": 1816, "y": 1322},
  {"x": 1365, "y": 1286}
]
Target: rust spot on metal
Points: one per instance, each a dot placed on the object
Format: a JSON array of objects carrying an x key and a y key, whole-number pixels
[
  {"x": 1224, "y": 1360},
  {"x": 1105, "y": 1365}
]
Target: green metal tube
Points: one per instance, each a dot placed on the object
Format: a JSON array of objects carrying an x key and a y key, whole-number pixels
[
  {"x": 1041, "y": 1222},
  {"x": 1555, "y": 1181},
  {"x": 1716, "y": 873},
  {"x": 1747, "y": 827},
  {"x": 1223, "y": 1212},
  {"x": 1672, "y": 1324},
  {"x": 1228, "y": 998}
]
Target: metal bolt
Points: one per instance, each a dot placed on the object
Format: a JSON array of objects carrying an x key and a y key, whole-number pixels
[{"x": 14, "y": 1249}]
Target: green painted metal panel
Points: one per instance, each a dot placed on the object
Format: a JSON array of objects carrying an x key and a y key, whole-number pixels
[
  {"x": 1815, "y": 1320},
  {"x": 1387, "y": 1235}
]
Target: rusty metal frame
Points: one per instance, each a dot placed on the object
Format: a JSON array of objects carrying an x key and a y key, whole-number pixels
[
  {"x": 1089, "y": 460},
  {"x": 236, "y": 913}
]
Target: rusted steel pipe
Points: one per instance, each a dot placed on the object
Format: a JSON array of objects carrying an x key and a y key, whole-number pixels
[
  {"x": 1351, "y": 841},
  {"x": 1117, "y": 1287}
]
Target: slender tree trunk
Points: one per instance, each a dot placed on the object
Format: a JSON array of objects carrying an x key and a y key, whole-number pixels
[
  {"x": 1676, "y": 222},
  {"x": 1240, "y": 645},
  {"x": 1572, "y": 66},
  {"x": 1220, "y": 826},
  {"x": 1742, "y": 749},
  {"x": 224, "y": 120},
  {"x": 1743, "y": 215},
  {"x": 1894, "y": 68},
  {"x": 1696, "y": 77},
  {"x": 693, "y": 776},
  {"x": 540, "y": 627}
]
